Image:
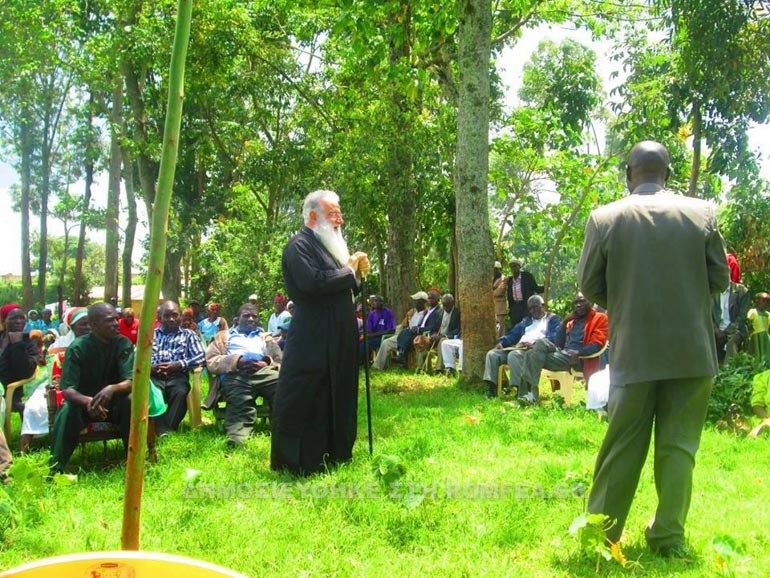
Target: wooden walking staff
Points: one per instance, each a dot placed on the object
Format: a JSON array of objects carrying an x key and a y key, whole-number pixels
[
  {"x": 140, "y": 390},
  {"x": 366, "y": 366}
]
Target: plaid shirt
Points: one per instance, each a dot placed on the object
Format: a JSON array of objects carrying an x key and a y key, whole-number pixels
[{"x": 183, "y": 346}]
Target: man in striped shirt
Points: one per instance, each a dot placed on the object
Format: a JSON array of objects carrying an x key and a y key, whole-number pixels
[{"x": 175, "y": 352}]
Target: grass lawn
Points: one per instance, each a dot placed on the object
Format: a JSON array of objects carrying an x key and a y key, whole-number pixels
[{"x": 488, "y": 489}]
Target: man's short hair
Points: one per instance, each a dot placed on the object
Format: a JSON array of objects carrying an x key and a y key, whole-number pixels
[
  {"x": 246, "y": 306},
  {"x": 313, "y": 202},
  {"x": 535, "y": 299},
  {"x": 98, "y": 310}
]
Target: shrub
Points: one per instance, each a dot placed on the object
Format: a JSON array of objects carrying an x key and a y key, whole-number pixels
[{"x": 733, "y": 386}]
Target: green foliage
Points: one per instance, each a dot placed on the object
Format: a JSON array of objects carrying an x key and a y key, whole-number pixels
[
  {"x": 388, "y": 469},
  {"x": 22, "y": 499},
  {"x": 562, "y": 80},
  {"x": 732, "y": 388},
  {"x": 730, "y": 556},
  {"x": 745, "y": 223},
  {"x": 591, "y": 532}
]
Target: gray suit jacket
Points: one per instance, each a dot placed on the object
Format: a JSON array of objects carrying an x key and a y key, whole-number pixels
[{"x": 654, "y": 259}]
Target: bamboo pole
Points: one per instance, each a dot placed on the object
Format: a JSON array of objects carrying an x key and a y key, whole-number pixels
[{"x": 137, "y": 441}]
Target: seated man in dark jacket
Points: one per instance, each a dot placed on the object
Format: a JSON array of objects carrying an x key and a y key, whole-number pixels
[
  {"x": 539, "y": 324},
  {"x": 430, "y": 324},
  {"x": 95, "y": 382}
]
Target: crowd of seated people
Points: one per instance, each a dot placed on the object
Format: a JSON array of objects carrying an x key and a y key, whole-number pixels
[{"x": 184, "y": 339}]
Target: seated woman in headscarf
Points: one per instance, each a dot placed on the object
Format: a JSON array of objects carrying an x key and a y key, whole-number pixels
[
  {"x": 35, "y": 419},
  {"x": 18, "y": 353}
]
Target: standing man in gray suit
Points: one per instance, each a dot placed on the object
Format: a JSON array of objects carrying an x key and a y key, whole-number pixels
[{"x": 654, "y": 259}]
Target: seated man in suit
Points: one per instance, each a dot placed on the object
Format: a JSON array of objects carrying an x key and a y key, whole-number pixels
[
  {"x": 247, "y": 359},
  {"x": 412, "y": 318},
  {"x": 730, "y": 316},
  {"x": 449, "y": 328},
  {"x": 429, "y": 325},
  {"x": 539, "y": 324},
  {"x": 95, "y": 382},
  {"x": 175, "y": 353},
  {"x": 583, "y": 332}
]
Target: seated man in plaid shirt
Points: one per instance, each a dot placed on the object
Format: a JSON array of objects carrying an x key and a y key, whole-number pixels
[{"x": 175, "y": 352}]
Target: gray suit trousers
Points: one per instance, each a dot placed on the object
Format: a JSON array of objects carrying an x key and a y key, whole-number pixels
[{"x": 677, "y": 409}]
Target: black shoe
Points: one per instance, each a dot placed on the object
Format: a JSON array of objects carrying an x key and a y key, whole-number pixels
[
  {"x": 675, "y": 552},
  {"x": 451, "y": 372},
  {"x": 492, "y": 392}
]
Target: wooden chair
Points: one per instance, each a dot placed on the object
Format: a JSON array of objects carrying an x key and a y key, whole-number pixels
[
  {"x": 125, "y": 564},
  {"x": 102, "y": 431},
  {"x": 194, "y": 399},
  {"x": 426, "y": 360},
  {"x": 9, "y": 390}
]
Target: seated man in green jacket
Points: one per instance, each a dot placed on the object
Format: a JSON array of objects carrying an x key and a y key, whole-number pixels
[{"x": 95, "y": 382}]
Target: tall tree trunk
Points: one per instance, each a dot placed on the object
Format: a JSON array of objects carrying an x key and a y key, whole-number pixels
[
  {"x": 128, "y": 245},
  {"x": 402, "y": 208},
  {"x": 64, "y": 255},
  {"x": 697, "y": 135},
  {"x": 112, "y": 241},
  {"x": 172, "y": 275},
  {"x": 45, "y": 186},
  {"x": 77, "y": 283},
  {"x": 474, "y": 240},
  {"x": 147, "y": 168},
  {"x": 27, "y": 140}
]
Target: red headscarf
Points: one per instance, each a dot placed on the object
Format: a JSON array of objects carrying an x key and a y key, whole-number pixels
[
  {"x": 735, "y": 268},
  {"x": 6, "y": 309}
]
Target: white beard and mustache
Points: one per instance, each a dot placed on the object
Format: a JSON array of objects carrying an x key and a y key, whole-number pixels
[{"x": 332, "y": 240}]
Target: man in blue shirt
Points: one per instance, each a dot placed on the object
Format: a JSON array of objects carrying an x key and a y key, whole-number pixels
[
  {"x": 247, "y": 360},
  {"x": 537, "y": 325}
]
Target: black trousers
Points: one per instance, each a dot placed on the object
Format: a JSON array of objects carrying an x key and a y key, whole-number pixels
[
  {"x": 71, "y": 419},
  {"x": 175, "y": 390}
]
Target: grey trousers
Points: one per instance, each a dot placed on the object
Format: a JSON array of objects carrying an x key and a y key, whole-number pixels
[
  {"x": 497, "y": 357},
  {"x": 677, "y": 410},
  {"x": 240, "y": 391},
  {"x": 383, "y": 353},
  {"x": 543, "y": 355}
]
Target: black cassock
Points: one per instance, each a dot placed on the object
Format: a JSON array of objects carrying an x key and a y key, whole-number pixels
[{"x": 316, "y": 401}]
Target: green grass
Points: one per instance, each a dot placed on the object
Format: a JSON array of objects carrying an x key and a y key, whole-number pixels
[{"x": 454, "y": 446}]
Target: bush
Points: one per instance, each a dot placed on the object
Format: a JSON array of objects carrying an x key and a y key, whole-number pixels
[{"x": 733, "y": 386}]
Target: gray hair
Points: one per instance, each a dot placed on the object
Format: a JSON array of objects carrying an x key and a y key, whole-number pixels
[
  {"x": 313, "y": 202},
  {"x": 535, "y": 299}
]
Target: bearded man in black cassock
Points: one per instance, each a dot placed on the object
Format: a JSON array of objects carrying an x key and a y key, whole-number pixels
[{"x": 315, "y": 407}]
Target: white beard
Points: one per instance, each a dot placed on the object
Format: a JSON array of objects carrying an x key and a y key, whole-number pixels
[{"x": 332, "y": 240}]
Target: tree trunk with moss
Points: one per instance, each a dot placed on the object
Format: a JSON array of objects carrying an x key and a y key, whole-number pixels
[{"x": 474, "y": 240}]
